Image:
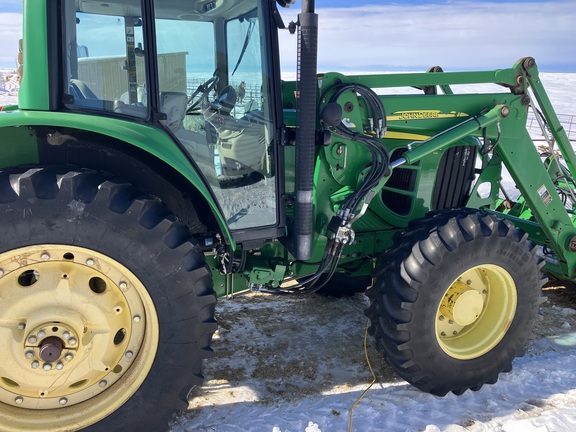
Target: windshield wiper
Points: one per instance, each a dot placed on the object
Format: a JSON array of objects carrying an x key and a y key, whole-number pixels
[{"x": 246, "y": 42}]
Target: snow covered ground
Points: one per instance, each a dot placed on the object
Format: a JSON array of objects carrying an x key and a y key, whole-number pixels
[{"x": 288, "y": 364}]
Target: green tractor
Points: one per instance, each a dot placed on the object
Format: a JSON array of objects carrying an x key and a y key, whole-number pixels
[{"x": 157, "y": 160}]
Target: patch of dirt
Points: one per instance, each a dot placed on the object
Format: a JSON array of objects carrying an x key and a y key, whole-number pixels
[
  {"x": 558, "y": 311},
  {"x": 291, "y": 346}
]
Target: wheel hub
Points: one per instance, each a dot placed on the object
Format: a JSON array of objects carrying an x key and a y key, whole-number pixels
[
  {"x": 50, "y": 345},
  {"x": 462, "y": 304},
  {"x": 51, "y": 349}
]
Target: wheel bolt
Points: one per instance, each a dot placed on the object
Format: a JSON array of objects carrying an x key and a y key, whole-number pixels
[
  {"x": 19, "y": 400},
  {"x": 123, "y": 285},
  {"x": 69, "y": 357},
  {"x": 32, "y": 339},
  {"x": 442, "y": 334},
  {"x": 441, "y": 318},
  {"x": 59, "y": 365},
  {"x": 90, "y": 261},
  {"x": 468, "y": 282},
  {"x": 47, "y": 366},
  {"x": 63, "y": 401},
  {"x": 29, "y": 354},
  {"x": 72, "y": 341},
  {"x": 41, "y": 334},
  {"x": 35, "y": 364},
  {"x": 21, "y": 326},
  {"x": 454, "y": 332},
  {"x": 103, "y": 383},
  {"x": 45, "y": 256},
  {"x": 66, "y": 335},
  {"x": 129, "y": 354},
  {"x": 136, "y": 318}
]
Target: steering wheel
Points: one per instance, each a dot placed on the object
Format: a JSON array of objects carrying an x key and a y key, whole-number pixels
[
  {"x": 225, "y": 101},
  {"x": 200, "y": 96}
]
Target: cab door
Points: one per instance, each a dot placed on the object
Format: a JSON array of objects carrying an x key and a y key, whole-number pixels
[{"x": 223, "y": 105}]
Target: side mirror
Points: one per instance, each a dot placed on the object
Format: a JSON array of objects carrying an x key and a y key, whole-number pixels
[{"x": 286, "y": 3}]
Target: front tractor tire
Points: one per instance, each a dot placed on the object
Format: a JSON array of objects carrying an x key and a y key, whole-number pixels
[
  {"x": 107, "y": 307},
  {"x": 455, "y": 301}
]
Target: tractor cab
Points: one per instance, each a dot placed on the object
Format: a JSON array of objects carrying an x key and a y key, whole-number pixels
[{"x": 202, "y": 71}]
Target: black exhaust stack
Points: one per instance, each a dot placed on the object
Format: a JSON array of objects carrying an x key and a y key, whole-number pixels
[{"x": 306, "y": 131}]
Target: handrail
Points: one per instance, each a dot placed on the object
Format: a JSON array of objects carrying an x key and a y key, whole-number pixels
[{"x": 567, "y": 121}]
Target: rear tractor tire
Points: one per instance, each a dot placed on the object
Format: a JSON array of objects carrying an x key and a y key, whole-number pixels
[
  {"x": 107, "y": 307},
  {"x": 457, "y": 302}
]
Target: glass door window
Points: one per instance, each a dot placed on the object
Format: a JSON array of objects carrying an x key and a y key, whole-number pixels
[{"x": 215, "y": 90}]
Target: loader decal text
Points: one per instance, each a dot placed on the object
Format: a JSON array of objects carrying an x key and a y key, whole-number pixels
[{"x": 424, "y": 115}]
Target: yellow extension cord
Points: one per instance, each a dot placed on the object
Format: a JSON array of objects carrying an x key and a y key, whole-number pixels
[{"x": 371, "y": 384}]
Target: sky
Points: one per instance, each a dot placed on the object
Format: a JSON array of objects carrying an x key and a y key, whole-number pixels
[{"x": 384, "y": 35}]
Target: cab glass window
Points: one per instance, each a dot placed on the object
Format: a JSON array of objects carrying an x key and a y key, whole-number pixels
[
  {"x": 215, "y": 92},
  {"x": 105, "y": 67}
]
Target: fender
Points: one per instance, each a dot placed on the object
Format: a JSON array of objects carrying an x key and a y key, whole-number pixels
[{"x": 150, "y": 139}]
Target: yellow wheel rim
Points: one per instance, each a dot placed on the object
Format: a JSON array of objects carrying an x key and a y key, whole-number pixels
[
  {"x": 79, "y": 334},
  {"x": 476, "y": 312}
]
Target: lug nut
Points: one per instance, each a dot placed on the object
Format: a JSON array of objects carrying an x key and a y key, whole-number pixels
[
  {"x": 19, "y": 400},
  {"x": 123, "y": 285},
  {"x": 59, "y": 365},
  {"x": 32, "y": 339},
  {"x": 136, "y": 318},
  {"x": 47, "y": 366},
  {"x": 90, "y": 261},
  {"x": 72, "y": 341},
  {"x": 129, "y": 354},
  {"x": 69, "y": 357},
  {"x": 63, "y": 401},
  {"x": 103, "y": 383},
  {"x": 45, "y": 256},
  {"x": 41, "y": 334},
  {"x": 35, "y": 364},
  {"x": 29, "y": 354}
]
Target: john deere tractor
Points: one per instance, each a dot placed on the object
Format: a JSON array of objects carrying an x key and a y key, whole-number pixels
[{"x": 156, "y": 160}]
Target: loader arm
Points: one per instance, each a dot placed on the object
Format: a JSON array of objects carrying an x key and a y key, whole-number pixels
[{"x": 522, "y": 160}]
